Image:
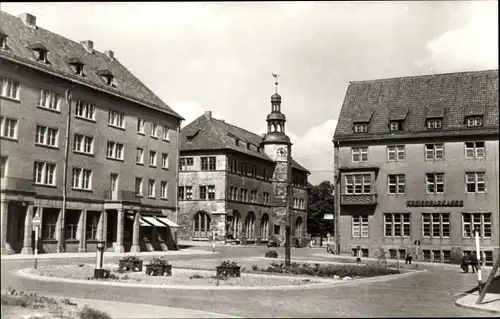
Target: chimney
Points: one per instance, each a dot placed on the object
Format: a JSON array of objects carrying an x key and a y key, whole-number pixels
[
  {"x": 263, "y": 135},
  {"x": 88, "y": 45},
  {"x": 28, "y": 19},
  {"x": 208, "y": 114},
  {"x": 110, "y": 54}
]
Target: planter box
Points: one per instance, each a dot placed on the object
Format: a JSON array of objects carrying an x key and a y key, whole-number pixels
[
  {"x": 130, "y": 265},
  {"x": 229, "y": 271},
  {"x": 155, "y": 270},
  {"x": 101, "y": 273},
  {"x": 271, "y": 254}
]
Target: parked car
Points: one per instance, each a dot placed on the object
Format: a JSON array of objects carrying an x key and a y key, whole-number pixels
[{"x": 273, "y": 243}]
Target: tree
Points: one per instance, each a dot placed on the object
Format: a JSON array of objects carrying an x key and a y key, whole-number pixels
[{"x": 321, "y": 202}]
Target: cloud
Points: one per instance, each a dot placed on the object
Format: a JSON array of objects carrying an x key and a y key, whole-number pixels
[
  {"x": 191, "y": 110},
  {"x": 474, "y": 46}
]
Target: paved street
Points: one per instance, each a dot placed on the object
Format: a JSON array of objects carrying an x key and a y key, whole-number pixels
[{"x": 431, "y": 293}]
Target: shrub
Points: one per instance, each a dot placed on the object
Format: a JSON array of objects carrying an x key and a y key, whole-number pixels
[
  {"x": 228, "y": 263},
  {"x": 159, "y": 262},
  {"x": 331, "y": 270},
  {"x": 132, "y": 258},
  {"x": 195, "y": 276},
  {"x": 255, "y": 267},
  {"x": 126, "y": 277},
  {"x": 91, "y": 313}
]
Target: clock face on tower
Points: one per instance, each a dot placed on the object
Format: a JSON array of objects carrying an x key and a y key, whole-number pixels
[{"x": 281, "y": 152}]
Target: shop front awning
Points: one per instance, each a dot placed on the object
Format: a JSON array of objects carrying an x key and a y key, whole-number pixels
[
  {"x": 141, "y": 222},
  {"x": 152, "y": 221},
  {"x": 167, "y": 222}
]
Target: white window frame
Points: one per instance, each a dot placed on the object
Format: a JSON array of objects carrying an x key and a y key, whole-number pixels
[
  {"x": 478, "y": 179},
  {"x": 403, "y": 220},
  {"x": 434, "y": 124},
  {"x": 47, "y": 136},
  {"x": 399, "y": 183},
  {"x": 360, "y": 226},
  {"x": 151, "y": 188},
  {"x": 139, "y": 156},
  {"x": 45, "y": 173},
  {"x": 85, "y": 110},
  {"x": 138, "y": 186},
  {"x": 83, "y": 144},
  {"x": 81, "y": 179},
  {"x": 474, "y": 121},
  {"x": 164, "y": 189},
  {"x": 360, "y": 127},
  {"x": 183, "y": 164},
  {"x": 116, "y": 119},
  {"x": 8, "y": 127},
  {"x": 398, "y": 151},
  {"x": 395, "y": 126},
  {"x": 434, "y": 182},
  {"x": 166, "y": 134},
  {"x": 482, "y": 223},
  {"x": 164, "y": 160},
  {"x": 10, "y": 88},
  {"x": 443, "y": 220},
  {"x": 152, "y": 158},
  {"x": 188, "y": 192},
  {"x": 353, "y": 180},
  {"x": 115, "y": 150},
  {"x": 476, "y": 150},
  {"x": 432, "y": 152},
  {"x": 141, "y": 126},
  {"x": 49, "y": 100},
  {"x": 359, "y": 154},
  {"x": 154, "y": 130}
]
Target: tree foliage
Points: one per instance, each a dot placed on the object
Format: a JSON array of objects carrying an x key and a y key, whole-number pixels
[{"x": 321, "y": 201}]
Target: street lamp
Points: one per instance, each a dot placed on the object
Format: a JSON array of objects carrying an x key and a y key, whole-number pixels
[
  {"x": 358, "y": 256},
  {"x": 99, "y": 271}
]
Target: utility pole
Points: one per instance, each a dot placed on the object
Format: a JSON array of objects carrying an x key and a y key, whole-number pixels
[
  {"x": 60, "y": 245},
  {"x": 288, "y": 228},
  {"x": 482, "y": 291}
]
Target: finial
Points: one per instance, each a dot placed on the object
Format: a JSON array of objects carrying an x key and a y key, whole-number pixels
[{"x": 275, "y": 75}]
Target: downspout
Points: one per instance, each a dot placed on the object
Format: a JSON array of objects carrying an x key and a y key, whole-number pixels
[
  {"x": 177, "y": 180},
  {"x": 336, "y": 186},
  {"x": 61, "y": 246}
]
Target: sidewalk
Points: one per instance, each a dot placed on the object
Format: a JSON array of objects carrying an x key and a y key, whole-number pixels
[
  {"x": 491, "y": 302},
  {"x": 127, "y": 310},
  {"x": 108, "y": 254}
]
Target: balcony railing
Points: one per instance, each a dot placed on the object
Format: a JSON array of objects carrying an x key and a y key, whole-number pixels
[
  {"x": 122, "y": 196},
  {"x": 16, "y": 184},
  {"x": 358, "y": 199}
]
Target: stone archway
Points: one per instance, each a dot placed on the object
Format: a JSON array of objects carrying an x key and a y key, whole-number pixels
[
  {"x": 264, "y": 226},
  {"x": 299, "y": 225},
  {"x": 250, "y": 226},
  {"x": 201, "y": 225},
  {"x": 235, "y": 226}
]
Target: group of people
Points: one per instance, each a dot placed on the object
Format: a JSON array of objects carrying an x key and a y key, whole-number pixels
[{"x": 469, "y": 260}]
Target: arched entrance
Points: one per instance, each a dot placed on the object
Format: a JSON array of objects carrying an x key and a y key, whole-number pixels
[
  {"x": 264, "y": 226},
  {"x": 250, "y": 226},
  {"x": 299, "y": 227},
  {"x": 201, "y": 225},
  {"x": 235, "y": 225}
]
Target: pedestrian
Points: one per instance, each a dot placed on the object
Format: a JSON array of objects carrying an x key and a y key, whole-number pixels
[
  {"x": 465, "y": 263},
  {"x": 473, "y": 262},
  {"x": 408, "y": 258}
]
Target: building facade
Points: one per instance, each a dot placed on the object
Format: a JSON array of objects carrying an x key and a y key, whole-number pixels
[
  {"x": 121, "y": 142},
  {"x": 416, "y": 165},
  {"x": 233, "y": 183}
]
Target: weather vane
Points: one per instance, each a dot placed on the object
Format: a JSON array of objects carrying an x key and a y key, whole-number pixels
[{"x": 276, "y": 75}]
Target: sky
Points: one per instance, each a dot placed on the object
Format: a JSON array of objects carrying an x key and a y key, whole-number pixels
[{"x": 209, "y": 56}]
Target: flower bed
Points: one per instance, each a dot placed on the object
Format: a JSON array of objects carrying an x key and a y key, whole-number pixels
[
  {"x": 130, "y": 263},
  {"x": 159, "y": 267}
]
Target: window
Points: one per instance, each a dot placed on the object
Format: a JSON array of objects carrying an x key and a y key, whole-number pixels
[
  {"x": 85, "y": 110},
  {"x": 243, "y": 194},
  {"x": 446, "y": 256},
  {"x": 116, "y": 119},
  {"x": 152, "y": 158},
  {"x": 435, "y": 183},
  {"x": 8, "y": 127},
  {"x": 49, "y": 222},
  {"x": 396, "y": 183},
  {"x": 115, "y": 150},
  {"x": 436, "y": 225},
  {"x": 358, "y": 184},
  {"x": 488, "y": 258},
  {"x": 164, "y": 160},
  {"x": 78, "y": 68},
  {"x": 233, "y": 193},
  {"x": 253, "y": 196},
  {"x": 434, "y": 151},
  {"x": 10, "y": 88},
  {"x": 266, "y": 198},
  {"x": 164, "y": 189},
  {"x": 46, "y": 136},
  {"x": 474, "y": 121},
  {"x": 203, "y": 192},
  {"x": 208, "y": 163},
  {"x": 140, "y": 126},
  {"x": 181, "y": 192},
  {"x": 397, "y": 225},
  {"x": 395, "y": 126},
  {"x": 139, "y": 156},
  {"x": 3, "y": 41},
  {"x": 83, "y": 144},
  {"x": 166, "y": 133},
  {"x": 3, "y": 166},
  {"x": 359, "y": 226},
  {"x": 41, "y": 55},
  {"x": 138, "y": 186},
  {"x": 154, "y": 130},
  {"x": 151, "y": 188},
  {"x": 45, "y": 173},
  {"x": 396, "y": 153},
  {"x": 436, "y": 256},
  {"x": 427, "y": 254},
  {"x": 49, "y": 100},
  {"x": 71, "y": 226},
  {"x": 433, "y": 124},
  {"x": 475, "y": 182},
  {"x": 359, "y": 154},
  {"x": 189, "y": 192},
  {"x": 361, "y": 128},
  {"x": 211, "y": 192},
  {"x": 82, "y": 178},
  {"x": 474, "y": 149},
  {"x": 92, "y": 225},
  {"x": 186, "y": 164},
  {"x": 476, "y": 221}
]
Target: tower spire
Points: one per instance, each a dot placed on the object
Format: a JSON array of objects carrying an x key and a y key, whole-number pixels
[{"x": 275, "y": 76}]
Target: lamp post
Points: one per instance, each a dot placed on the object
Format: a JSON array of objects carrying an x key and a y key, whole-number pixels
[
  {"x": 478, "y": 254},
  {"x": 99, "y": 271},
  {"x": 358, "y": 256},
  {"x": 37, "y": 221}
]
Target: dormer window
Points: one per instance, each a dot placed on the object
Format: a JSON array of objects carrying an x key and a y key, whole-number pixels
[
  {"x": 107, "y": 76},
  {"x": 40, "y": 52},
  {"x": 3, "y": 41},
  {"x": 237, "y": 142},
  {"x": 360, "y": 127},
  {"x": 248, "y": 146},
  {"x": 395, "y": 126},
  {"x": 76, "y": 66},
  {"x": 474, "y": 121},
  {"x": 434, "y": 124}
]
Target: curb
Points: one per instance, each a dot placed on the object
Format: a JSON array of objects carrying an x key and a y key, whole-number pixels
[
  {"x": 460, "y": 304},
  {"x": 325, "y": 284}
]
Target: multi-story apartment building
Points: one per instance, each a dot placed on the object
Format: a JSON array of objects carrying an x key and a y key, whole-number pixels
[
  {"x": 234, "y": 182},
  {"x": 416, "y": 161},
  {"x": 121, "y": 140}
]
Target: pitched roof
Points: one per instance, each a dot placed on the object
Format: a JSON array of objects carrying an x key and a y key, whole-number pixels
[
  {"x": 21, "y": 38},
  {"x": 452, "y": 96},
  {"x": 208, "y": 133}
]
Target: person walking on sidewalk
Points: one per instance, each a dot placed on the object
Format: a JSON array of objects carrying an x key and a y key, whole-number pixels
[
  {"x": 465, "y": 263},
  {"x": 408, "y": 257},
  {"x": 473, "y": 262}
]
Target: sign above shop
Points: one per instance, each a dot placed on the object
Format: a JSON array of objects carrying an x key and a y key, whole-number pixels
[{"x": 434, "y": 203}]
